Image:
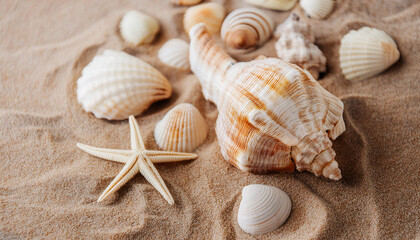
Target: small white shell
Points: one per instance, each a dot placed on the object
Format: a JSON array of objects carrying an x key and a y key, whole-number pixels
[
  {"x": 175, "y": 53},
  {"x": 138, "y": 28},
  {"x": 185, "y": 2},
  {"x": 211, "y": 14},
  {"x": 317, "y": 9},
  {"x": 366, "y": 52},
  {"x": 274, "y": 4},
  {"x": 182, "y": 129},
  {"x": 263, "y": 208},
  {"x": 115, "y": 85}
]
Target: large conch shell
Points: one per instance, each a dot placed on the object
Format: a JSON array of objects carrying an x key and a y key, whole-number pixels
[
  {"x": 115, "y": 85},
  {"x": 269, "y": 111},
  {"x": 211, "y": 14},
  {"x": 296, "y": 45},
  {"x": 274, "y": 4},
  {"x": 246, "y": 28},
  {"x": 138, "y": 28},
  {"x": 263, "y": 208},
  {"x": 366, "y": 52}
]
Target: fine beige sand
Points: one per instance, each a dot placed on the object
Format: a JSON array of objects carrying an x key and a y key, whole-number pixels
[{"x": 49, "y": 187}]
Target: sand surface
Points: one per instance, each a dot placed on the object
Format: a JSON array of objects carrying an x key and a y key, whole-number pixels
[{"x": 49, "y": 187}]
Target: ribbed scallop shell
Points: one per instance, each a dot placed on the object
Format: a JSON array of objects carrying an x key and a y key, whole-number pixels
[
  {"x": 366, "y": 52},
  {"x": 317, "y": 9},
  {"x": 185, "y": 2},
  {"x": 175, "y": 53},
  {"x": 246, "y": 28},
  {"x": 263, "y": 208},
  {"x": 211, "y": 14},
  {"x": 269, "y": 111},
  {"x": 138, "y": 28},
  {"x": 296, "y": 45},
  {"x": 115, "y": 85},
  {"x": 182, "y": 129},
  {"x": 274, "y": 4}
]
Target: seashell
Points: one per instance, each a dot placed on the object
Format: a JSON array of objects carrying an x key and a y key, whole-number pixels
[
  {"x": 185, "y": 2},
  {"x": 182, "y": 129},
  {"x": 274, "y": 4},
  {"x": 246, "y": 28},
  {"x": 270, "y": 111},
  {"x": 366, "y": 52},
  {"x": 296, "y": 45},
  {"x": 317, "y": 9},
  {"x": 211, "y": 14},
  {"x": 115, "y": 85},
  {"x": 263, "y": 208},
  {"x": 138, "y": 28},
  {"x": 175, "y": 53}
]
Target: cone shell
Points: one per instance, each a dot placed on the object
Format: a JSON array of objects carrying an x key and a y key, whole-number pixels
[
  {"x": 274, "y": 4},
  {"x": 185, "y": 2},
  {"x": 175, "y": 53},
  {"x": 115, "y": 85},
  {"x": 182, "y": 129},
  {"x": 211, "y": 14},
  {"x": 138, "y": 28},
  {"x": 366, "y": 52},
  {"x": 263, "y": 208},
  {"x": 270, "y": 111},
  {"x": 317, "y": 9},
  {"x": 246, "y": 28}
]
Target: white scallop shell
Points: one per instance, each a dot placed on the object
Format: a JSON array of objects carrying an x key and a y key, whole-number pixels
[
  {"x": 211, "y": 14},
  {"x": 185, "y": 2},
  {"x": 366, "y": 52},
  {"x": 175, "y": 53},
  {"x": 138, "y": 28},
  {"x": 263, "y": 208},
  {"x": 115, "y": 85},
  {"x": 274, "y": 4},
  {"x": 246, "y": 28},
  {"x": 182, "y": 129},
  {"x": 317, "y": 9}
]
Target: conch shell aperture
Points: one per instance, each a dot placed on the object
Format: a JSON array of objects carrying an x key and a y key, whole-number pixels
[{"x": 270, "y": 111}]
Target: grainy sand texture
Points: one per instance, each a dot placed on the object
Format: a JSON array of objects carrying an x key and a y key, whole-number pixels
[{"x": 49, "y": 187}]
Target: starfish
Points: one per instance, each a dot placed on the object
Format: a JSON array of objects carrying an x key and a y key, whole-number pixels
[{"x": 138, "y": 159}]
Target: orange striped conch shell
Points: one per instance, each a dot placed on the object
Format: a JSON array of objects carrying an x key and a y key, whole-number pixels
[{"x": 273, "y": 115}]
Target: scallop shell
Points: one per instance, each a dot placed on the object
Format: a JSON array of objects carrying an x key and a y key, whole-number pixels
[
  {"x": 270, "y": 111},
  {"x": 263, "y": 208},
  {"x": 175, "y": 53},
  {"x": 246, "y": 28},
  {"x": 138, "y": 28},
  {"x": 182, "y": 129},
  {"x": 366, "y": 52},
  {"x": 115, "y": 85},
  {"x": 296, "y": 45},
  {"x": 317, "y": 9},
  {"x": 274, "y": 4},
  {"x": 211, "y": 14},
  {"x": 185, "y": 2}
]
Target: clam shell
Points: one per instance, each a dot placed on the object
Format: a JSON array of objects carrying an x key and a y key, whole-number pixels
[
  {"x": 185, "y": 2},
  {"x": 211, "y": 14},
  {"x": 366, "y": 52},
  {"x": 246, "y": 28},
  {"x": 138, "y": 28},
  {"x": 182, "y": 129},
  {"x": 175, "y": 53},
  {"x": 317, "y": 9},
  {"x": 274, "y": 4},
  {"x": 263, "y": 208},
  {"x": 115, "y": 85}
]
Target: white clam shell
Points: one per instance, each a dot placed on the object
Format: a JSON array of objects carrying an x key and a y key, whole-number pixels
[
  {"x": 263, "y": 208},
  {"x": 211, "y": 14},
  {"x": 175, "y": 53},
  {"x": 274, "y": 4},
  {"x": 138, "y": 28},
  {"x": 366, "y": 52},
  {"x": 185, "y": 2},
  {"x": 182, "y": 129},
  {"x": 115, "y": 85},
  {"x": 317, "y": 9}
]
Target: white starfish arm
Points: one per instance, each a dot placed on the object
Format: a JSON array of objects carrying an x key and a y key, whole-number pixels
[
  {"x": 128, "y": 172},
  {"x": 152, "y": 176},
  {"x": 167, "y": 158},
  {"x": 116, "y": 155},
  {"x": 136, "y": 141}
]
